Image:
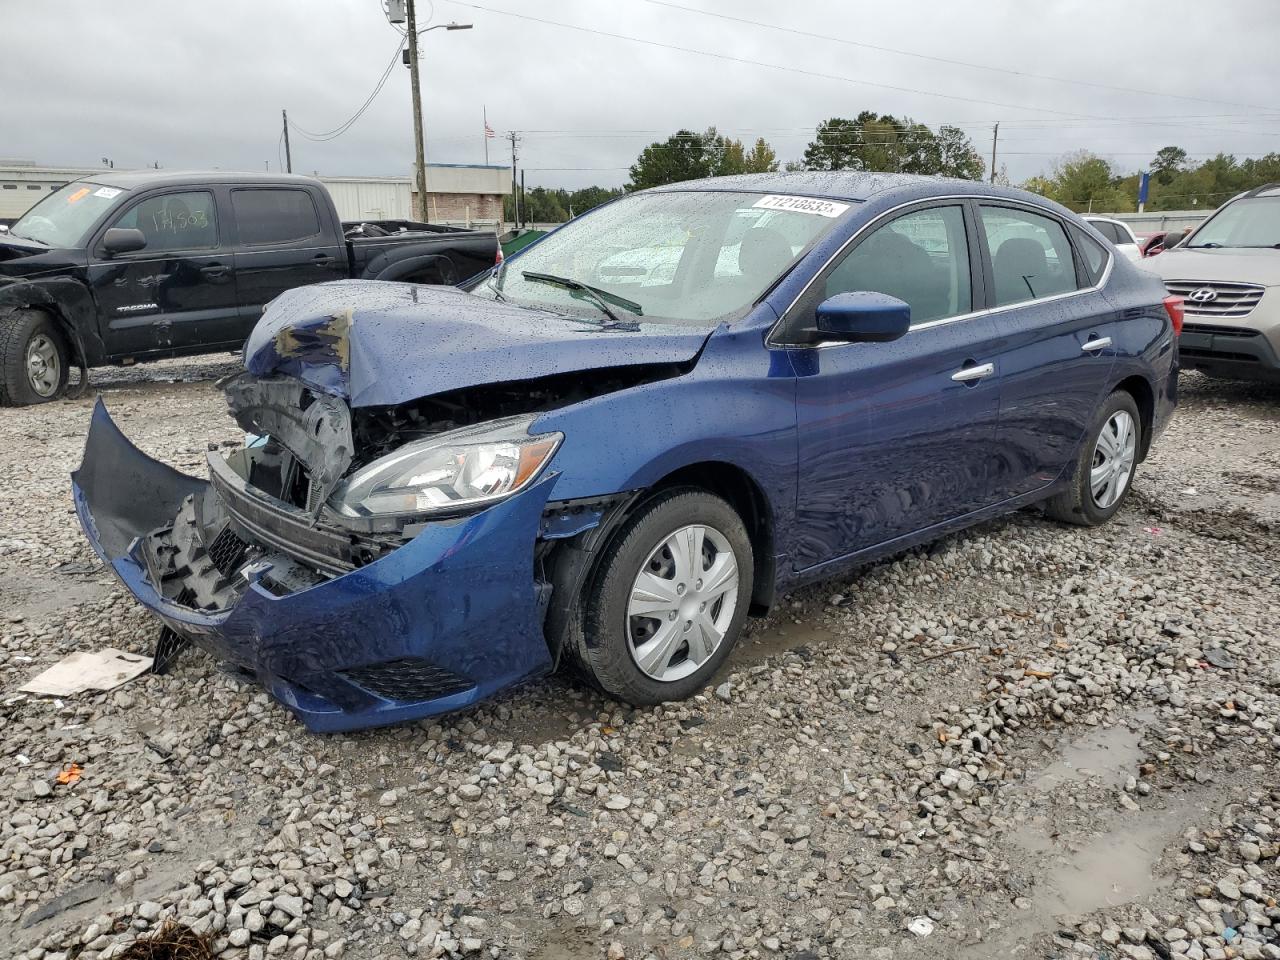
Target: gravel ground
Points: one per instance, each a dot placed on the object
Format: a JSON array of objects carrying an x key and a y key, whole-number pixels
[{"x": 1024, "y": 741}]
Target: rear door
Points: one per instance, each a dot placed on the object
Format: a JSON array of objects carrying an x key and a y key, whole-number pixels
[
  {"x": 285, "y": 239},
  {"x": 178, "y": 292},
  {"x": 1060, "y": 339},
  {"x": 898, "y": 437}
]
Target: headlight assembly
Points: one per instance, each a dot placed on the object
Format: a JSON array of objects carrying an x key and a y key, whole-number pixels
[{"x": 448, "y": 474}]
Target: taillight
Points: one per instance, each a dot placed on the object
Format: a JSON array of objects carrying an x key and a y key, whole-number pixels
[
  {"x": 498, "y": 259},
  {"x": 1176, "y": 308}
]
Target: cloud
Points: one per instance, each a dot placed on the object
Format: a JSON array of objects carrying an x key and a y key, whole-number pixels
[{"x": 199, "y": 86}]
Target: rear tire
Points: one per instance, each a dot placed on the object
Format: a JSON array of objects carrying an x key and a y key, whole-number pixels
[
  {"x": 669, "y": 599},
  {"x": 1103, "y": 476},
  {"x": 33, "y": 358}
]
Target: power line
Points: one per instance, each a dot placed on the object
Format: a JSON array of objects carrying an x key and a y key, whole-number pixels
[
  {"x": 347, "y": 124},
  {"x": 778, "y": 66},
  {"x": 772, "y": 66},
  {"x": 957, "y": 63}
]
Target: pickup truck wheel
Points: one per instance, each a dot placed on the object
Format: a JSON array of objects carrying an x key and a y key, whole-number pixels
[
  {"x": 669, "y": 600},
  {"x": 33, "y": 358}
]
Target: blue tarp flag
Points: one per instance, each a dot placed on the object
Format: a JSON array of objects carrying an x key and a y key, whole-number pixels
[{"x": 1143, "y": 186}]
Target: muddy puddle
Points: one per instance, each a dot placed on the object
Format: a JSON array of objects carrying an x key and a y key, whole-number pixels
[
  {"x": 1079, "y": 871},
  {"x": 1107, "y": 754}
]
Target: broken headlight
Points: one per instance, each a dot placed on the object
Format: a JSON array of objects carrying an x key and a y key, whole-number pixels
[{"x": 449, "y": 473}]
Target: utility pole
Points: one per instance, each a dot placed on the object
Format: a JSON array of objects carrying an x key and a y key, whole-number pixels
[
  {"x": 524, "y": 197},
  {"x": 288, "y": 157},
  {"x": 419, "y": 150},
  {"x": 515, "y": 193},
  {"x": 995, "y": 137}
]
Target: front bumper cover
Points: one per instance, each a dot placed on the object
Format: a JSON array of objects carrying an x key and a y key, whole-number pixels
[{"x": 450, "y": 617}]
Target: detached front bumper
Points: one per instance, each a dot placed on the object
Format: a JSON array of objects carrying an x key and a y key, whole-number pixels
[{"x": 450, "y": 617}]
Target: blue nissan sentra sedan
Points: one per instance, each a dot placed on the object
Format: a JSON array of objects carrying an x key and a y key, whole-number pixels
[{"x": 613, "y": 447}]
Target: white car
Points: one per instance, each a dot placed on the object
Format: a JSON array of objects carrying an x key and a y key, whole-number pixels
[{"x": 1118, "y": 232}]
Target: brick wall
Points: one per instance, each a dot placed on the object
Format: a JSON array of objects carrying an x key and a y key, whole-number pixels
[{"x": 458, "y": 206}]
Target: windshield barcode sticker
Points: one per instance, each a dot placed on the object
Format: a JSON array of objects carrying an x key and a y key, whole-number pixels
[
  {"x": 107, "y": 193},
  {"x": 823, "y": 208}
]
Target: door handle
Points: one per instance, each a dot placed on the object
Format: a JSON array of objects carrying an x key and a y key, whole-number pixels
[
  {"x": 214, "y": 270},
  {"x": 1097, "y": 343},
  {"x": 322, "y": 259},
  {"x": 976, "y": 372}
]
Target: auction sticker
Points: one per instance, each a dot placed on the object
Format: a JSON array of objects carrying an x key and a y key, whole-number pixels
[
  {"x": 107, "y": 193},
  {"x": 822, "y": 208}
]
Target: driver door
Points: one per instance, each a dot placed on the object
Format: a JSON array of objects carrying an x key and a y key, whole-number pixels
[
  {"x": 896, "y": 438},
  {"x": 178, "y": 293}
]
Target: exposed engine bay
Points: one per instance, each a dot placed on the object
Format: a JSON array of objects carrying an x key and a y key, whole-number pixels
[{"x": 267, "y": 514}]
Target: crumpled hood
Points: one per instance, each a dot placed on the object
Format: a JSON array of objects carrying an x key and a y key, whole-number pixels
[
  {"x": 1225, "y": 265},
  {"x": 379, "y": 344},
  {"x": 17, "y": 248}
]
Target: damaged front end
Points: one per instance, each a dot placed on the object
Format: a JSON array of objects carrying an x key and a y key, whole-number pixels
[
  {"x": 377, "y": 551},
  {"x": 349, "y": 621}
]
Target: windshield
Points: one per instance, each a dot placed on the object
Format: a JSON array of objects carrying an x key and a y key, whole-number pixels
[
  {"x": 63, "y": 218},
  {"x": 1251, "y": 222},
  {"x": 692, "y": 258}
]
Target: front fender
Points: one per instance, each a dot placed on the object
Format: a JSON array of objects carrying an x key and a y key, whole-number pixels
[
  {"x": 737, "y": 406},
  {"x": 70, "y": 302}
]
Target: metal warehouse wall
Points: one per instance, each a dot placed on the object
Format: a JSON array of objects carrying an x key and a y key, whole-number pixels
[{"x": 371, "y": 198}]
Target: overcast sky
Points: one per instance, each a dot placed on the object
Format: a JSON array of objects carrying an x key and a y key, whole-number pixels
[{"x": 201, "y": 85}]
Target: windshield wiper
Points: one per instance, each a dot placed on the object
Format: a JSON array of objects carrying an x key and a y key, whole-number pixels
[
  {"x": 1204, "y": 246},
  {"x": 601, "y": 298}
]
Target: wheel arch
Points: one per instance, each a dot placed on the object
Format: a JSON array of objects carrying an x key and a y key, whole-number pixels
[
  {"x": 1144, "y": 395},
  {"x": 571, "y": 566},
  {"x": 69, "y": 305}
]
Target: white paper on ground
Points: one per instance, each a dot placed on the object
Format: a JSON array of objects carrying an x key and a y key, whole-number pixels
[{"x": 103, "y": 669}]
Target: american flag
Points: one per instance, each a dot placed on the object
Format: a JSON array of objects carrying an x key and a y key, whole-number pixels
[{"x": 488, "y": 132}]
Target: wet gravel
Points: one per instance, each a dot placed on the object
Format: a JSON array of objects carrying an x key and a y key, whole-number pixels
[{"x": 1027, "y": 740}]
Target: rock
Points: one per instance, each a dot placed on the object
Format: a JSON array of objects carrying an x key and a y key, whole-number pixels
[
  {"x": 388, "y": 799},
  {"x": 293, "y": 906},
  {"x": 617, "y": 802},
  {"x": 725, "y": 692},
  {"x": 470, "y": 791},
  {"x": 1228, "y": 889}
]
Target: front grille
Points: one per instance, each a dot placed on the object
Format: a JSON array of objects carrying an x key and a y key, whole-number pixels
[
  {"x": 227, "y": 552},
  {"x": 408, "y": 679},
  {"x": 1228, "y": 299},
  {"x": 1216, "y": 331}
]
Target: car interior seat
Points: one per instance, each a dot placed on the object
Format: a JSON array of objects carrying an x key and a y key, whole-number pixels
[
  {"x": 763, "y": 253},
  {"x": 1022, "y": 271}
]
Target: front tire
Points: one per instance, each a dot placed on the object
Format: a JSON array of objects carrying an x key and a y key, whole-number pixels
[
  {"x": 670, "y": 598},
  {"x": 33, "y": 358},
  {"x": 1104, "y": 472}
]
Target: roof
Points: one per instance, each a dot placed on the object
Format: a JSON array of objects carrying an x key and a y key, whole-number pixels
[
  {"x": 845, "y": 185},
  {"x": 137, "y": 179}
]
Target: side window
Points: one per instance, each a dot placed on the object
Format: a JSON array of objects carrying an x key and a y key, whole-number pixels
[
  {"x": 174, "y": 221},
  {"x": 1030, "y": 255},
  {"x": 921, "y": 257},
  {"x": 1093, "y": 255},
  {"x": 274, "y": 216}
]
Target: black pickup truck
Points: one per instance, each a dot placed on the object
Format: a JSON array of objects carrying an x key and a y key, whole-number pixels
[{"x": 126, "y": 267}]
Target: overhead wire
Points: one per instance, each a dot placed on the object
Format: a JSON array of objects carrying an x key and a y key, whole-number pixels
[
  {"x": 947, "y": 60},
  {"x": 347, "y": 124},
  {"x": 778, "y": 66}
]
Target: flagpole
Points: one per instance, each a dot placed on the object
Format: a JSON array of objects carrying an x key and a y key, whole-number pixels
[{"x": 486, "y": 135}]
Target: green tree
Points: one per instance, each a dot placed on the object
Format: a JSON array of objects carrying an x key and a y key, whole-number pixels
[
  {"x": 762, "y": 159},
  {"x": 887, "y": 143},
  {"x": 684, "y": 155},
  {"x": 1168, "y": 163},
  {"x": 1083, "y": 181},
  {"x": 834, "y": 146}
]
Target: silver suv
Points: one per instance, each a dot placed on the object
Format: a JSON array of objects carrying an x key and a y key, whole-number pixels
[{"x": 1228, "y": 271}]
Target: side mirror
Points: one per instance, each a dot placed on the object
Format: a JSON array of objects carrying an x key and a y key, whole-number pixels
[
  {"x": 1171, "y": 240},
  {"x": 863, "y": 316},
  {"x": 123, "y": 240}
]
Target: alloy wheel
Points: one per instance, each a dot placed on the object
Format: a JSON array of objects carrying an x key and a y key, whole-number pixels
[
  {"x": 44, "y": 366},
  {"x": 682, "y": 602},
  {"x": 1114, "y": 454}
]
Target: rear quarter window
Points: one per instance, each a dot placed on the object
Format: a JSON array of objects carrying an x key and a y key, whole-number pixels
[{"x": 1093, "y": 256}]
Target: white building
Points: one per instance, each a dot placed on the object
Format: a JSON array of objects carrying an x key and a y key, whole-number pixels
[{"x": 465, "y": 194}]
